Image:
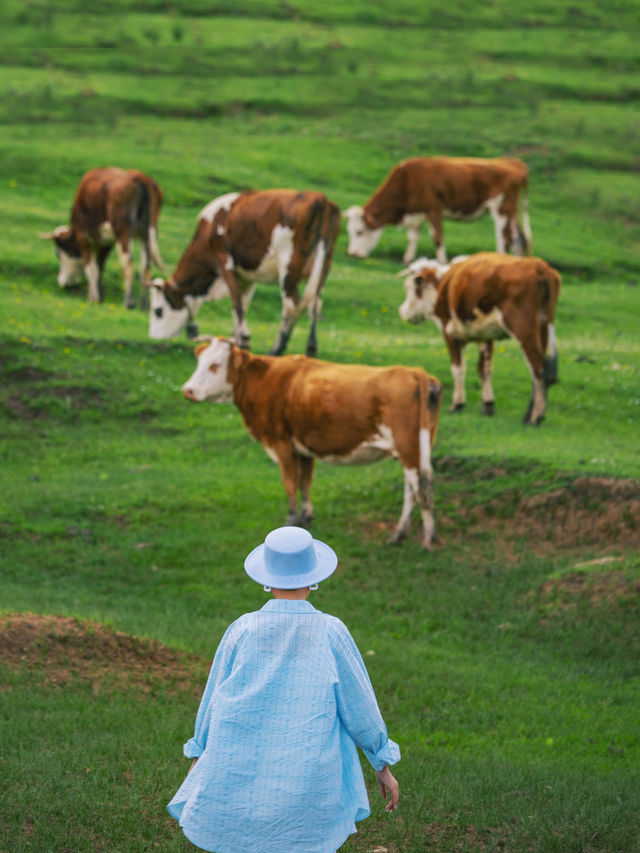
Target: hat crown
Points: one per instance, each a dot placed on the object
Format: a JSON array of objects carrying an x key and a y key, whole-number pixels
[{"x": 289, "y": 552}]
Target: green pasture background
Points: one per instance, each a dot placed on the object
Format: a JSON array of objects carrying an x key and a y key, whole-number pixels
[{"x": 516, "y": 710}]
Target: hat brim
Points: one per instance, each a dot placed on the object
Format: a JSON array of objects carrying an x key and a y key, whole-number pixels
[{"x": 327, "y": 561}]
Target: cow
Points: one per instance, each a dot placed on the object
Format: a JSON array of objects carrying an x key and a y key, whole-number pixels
[
  {"x": 437, "y": 188},
  {"x": 485, "y": 298},
  {"x": 242, "y": 238},
  {"x": 111, "y": 207},
  {"x": 302, "y": 409}
]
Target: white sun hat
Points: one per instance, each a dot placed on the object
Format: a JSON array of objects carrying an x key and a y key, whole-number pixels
[{"x": 290, "y": 558}]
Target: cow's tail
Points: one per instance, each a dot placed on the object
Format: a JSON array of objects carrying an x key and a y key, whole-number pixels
[
  {"x": 429, "y": 401},
  {"x": 526, "y": 234},
  {"x": 549, "y": 283},
  {"x": 321, "y": 234},
  {"x": 155, "y": 204},
  {"x": 149, "y": 204}
]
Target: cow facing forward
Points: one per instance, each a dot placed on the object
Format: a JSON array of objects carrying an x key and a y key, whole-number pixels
[
  {"x": 111, "y": 207},
  {"x": 483, "y": 299},
  {"x": 437, "y": 188},
  {"x": 244, "y": 238},
  {"x": 301, "y": 409}
]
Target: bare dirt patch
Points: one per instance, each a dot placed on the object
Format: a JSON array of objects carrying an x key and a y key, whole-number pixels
[
  {"x": 590, "y": 511},
  {"x": 63, "y": 651}
]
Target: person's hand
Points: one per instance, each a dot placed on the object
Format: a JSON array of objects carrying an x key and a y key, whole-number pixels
[
  {"x": 388, "y": 784},
  {"x": 193, "y": 764}
]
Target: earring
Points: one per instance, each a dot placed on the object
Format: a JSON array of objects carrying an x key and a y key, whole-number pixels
[
  {"x": 266, "y": 588},
  {"x": 313, "y": 586}
]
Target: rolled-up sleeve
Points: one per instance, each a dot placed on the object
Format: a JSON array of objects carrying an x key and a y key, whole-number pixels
[
  {"x": 220, "y": 669},
  {"x": 357, "y": 705}
]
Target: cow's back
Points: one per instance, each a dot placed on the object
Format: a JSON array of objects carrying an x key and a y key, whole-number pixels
[{"x": 488, "y": 279}]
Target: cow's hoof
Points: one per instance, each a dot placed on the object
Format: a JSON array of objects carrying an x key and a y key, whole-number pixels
[
  {"x": 397, "y": 537},
  {"x": 489, "y": 408},
  {"x": 297, "y": 521},
  {"x": 457, "y": 407},
  {"x": 192, "y": 330},
  {"x": 244, "y": 341}
]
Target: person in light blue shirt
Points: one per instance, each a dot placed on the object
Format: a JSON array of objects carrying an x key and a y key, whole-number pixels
[{"x": 287, "y": 703}]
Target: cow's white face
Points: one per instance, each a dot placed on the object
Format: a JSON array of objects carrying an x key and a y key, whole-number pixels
[
  {"x": 164, "y": 320},
  {"x": 209, "y": 379},
  {"x": 70, "y": 271},
  {"x": 421, "y": 293},
  {"x": 362, "y": 239}
]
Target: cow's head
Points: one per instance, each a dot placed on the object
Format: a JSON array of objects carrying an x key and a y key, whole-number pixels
[
  {"x": 68, "y": 252},
  {"x": 362, "y": 238},
  {"x": 171, "y": 311},
  {"x": 422, "y": 279},
  {"x": 209, "y": 380}
]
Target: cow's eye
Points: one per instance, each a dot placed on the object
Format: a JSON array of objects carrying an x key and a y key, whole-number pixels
[
  {"x": 418, "y": 280},
  {"x": 158, "y": 312}
]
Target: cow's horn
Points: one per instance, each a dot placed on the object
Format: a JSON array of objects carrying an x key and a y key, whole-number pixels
[
  {"x": 49, "y": 235},
  {"x": 202, "y": 339}
]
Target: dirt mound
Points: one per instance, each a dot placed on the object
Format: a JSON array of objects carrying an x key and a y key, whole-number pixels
[
  {"x": 590, "y": 511},
  {"x": 65, "y": 650}
]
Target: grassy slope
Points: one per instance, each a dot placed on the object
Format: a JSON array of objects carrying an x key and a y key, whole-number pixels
[{"x": 123, "y": 504}]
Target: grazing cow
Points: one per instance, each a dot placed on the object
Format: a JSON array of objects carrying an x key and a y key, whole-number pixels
[
  {"x": 483, "y": 299},
  {"x": 111, "y": 206},
  {"x": 437, "y": 188},
  {"x": 301, "y": 409},
  {"x": 244, "y": 238}
]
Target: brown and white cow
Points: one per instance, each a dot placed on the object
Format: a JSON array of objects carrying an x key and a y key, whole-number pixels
[
  {"x": 437, "y": 188},
  {"x": 111, "y": 207},
  {"x": 243, "y": 238},
  {"x": 301, "y": 409},
  {"x": 485, "y": 298}
]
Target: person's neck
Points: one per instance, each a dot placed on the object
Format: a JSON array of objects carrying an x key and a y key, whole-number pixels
[{"x": 292, "y": 594}]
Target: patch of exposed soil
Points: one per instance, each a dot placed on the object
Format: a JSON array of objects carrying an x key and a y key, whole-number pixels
[
  {"x": 591, "y": 511},
  {"x": 64, "y": 650}
]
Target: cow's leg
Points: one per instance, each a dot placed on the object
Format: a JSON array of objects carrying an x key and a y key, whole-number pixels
[
  {"x": 531, "y": 344},
  {"x": 306, "y": 465},
  {"x": 500, "y": 222},
  {"x": 434, "y": 221},
  {"x": 484, "y": 372},
  {"x": 290, "y": 471},
  {"x": 103, "y": 253},
  {"x": 240, "y": 326},
  {"x": 311, "y": 295},
  {"x": 290, "y": 270},
  {"x": 92, "y": 272},
  {"x": 458, "y": 371},
  {"x": 125, "y": 256},
  {"x": 410, "y": 492},
  {"x": 413, "y": 235}
]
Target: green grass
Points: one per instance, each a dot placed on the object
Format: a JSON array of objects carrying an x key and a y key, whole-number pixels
[{"x": 512, "y": 693}]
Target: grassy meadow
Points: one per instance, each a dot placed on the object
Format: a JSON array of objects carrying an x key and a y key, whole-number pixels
[{"x": 505, "y": 661}]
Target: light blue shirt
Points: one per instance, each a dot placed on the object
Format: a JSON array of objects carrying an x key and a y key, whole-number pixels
[{"x": 287, "y": 700}]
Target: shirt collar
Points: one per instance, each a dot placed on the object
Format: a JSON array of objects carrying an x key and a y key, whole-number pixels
[{"x": 285, "y": 605}]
